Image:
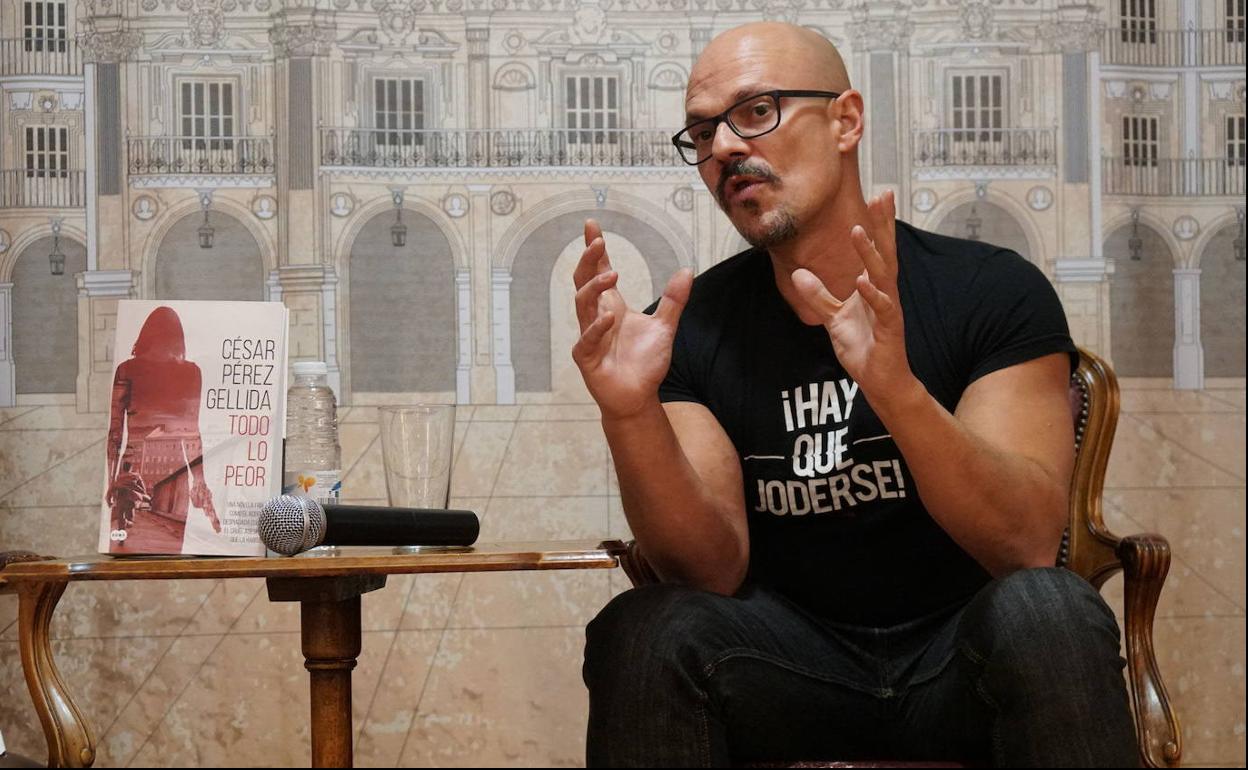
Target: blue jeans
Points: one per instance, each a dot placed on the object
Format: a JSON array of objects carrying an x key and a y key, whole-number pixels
[{"x": 1025, "y": 674}]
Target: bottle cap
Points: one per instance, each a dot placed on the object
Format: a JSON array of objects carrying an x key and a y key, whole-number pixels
[{"x": 309, "y": 368}]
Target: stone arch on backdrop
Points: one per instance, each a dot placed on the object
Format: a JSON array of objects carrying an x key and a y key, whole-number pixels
[
  {"x": 1222, "y": 301},
  {"x": 998, "y": 225},
  {"x": 235, "y": 268},
  {"x": 1141, "y": 301},
  {"x": 586, "y": 204},
  {"x": 365, "y": 213},
  {"x": 401, "y": 312},
  {"x": 22, "y": 241},
  {"x": 44, "y": 316},
  {"x": 535, "y": 246},
  {"x": 1178, "y": 250}
]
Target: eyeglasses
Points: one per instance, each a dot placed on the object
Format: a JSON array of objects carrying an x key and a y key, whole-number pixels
[{"x": 749, "y": 118}]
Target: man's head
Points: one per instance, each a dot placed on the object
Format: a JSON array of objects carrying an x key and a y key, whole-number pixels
[{"x": 791, "y": 172}]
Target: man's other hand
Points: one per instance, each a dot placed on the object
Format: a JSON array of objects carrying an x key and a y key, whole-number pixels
[{"x": 867, "y": 329}]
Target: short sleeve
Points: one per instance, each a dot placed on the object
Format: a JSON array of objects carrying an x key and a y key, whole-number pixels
[
  {"x": 679, "y": 384},
  {"x": 1015, "y": 316}
]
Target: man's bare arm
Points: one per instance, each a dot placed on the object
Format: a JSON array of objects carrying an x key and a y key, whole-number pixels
[
  {"x": 680, "y": 483},
  {"x": 995, "y": 474},
  {"x": 680, "y": 479}
]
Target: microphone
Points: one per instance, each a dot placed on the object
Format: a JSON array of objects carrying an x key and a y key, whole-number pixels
[{"x": 290, "y": 524}]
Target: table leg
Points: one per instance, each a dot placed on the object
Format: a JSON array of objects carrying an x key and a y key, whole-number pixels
[
  {"x": 330, "y": 626},
  {"x": 70, "y": 742},
  {"x": 331, "y": 644}
]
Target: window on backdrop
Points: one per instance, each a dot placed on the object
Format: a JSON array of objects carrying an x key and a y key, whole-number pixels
[
  {"x": 976, "y": 101},
  {"x": 1235, "y": 25},
  {"x": 44, "y": 25},
  {"x": 1137, "y": 20},
  {"x": 593, "y": 105},
  {"x": 399, "y": 111},
  {"x": 1140, "y": 145},
  {"x": 1235, "y": 140},
  {"x": 47, "y": 151},
  {"x": 207, "y": 110}
]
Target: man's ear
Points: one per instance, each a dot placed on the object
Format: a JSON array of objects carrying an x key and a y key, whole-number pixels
[{"x": 848, "y": 111}]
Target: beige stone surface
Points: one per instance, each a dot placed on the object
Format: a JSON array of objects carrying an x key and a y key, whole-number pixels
[
  {"x": 1205, "y": 528},
  {"x": 554, "y": 459},
  {"x": 466, "y": 720}
]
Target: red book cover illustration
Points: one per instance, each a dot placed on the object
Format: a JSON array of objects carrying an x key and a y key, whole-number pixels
[{"x": 194, "y": 444}]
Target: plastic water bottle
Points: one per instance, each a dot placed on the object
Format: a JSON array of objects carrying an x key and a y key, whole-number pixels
[{"x": 313, "y": 458}]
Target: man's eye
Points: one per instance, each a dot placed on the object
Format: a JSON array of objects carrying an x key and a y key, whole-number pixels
[
  {"x": 703, "y": 134},
  {"x": 761, "y": 109}
]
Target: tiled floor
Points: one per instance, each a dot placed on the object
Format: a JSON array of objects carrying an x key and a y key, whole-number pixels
[{"x": 485, "y": 669}]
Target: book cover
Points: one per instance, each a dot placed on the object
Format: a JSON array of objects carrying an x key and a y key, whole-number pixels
[{"x": 194, "y": 445}]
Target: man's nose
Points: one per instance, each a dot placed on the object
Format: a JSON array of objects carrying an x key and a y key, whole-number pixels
[{"x": 727, "y": 145}]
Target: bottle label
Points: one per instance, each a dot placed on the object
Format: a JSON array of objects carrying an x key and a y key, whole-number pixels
[{"x": 322, "y": 486}]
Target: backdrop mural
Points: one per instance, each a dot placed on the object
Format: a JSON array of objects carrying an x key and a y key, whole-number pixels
[{"x": 410, "y": 177}]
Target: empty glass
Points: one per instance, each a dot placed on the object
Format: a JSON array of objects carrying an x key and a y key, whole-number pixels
[{"x": 416, "y": 444}]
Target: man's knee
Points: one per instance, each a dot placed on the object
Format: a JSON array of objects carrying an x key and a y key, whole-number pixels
[
  {"x": 1038, "y": 619},
  {"x": 657, "y": 625},
  {"x": 1047, "y": 649},
  {"x": 1049, "y": 594}
]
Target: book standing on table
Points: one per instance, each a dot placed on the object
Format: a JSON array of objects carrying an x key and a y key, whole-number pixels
[{"x": 195, "y": 429}]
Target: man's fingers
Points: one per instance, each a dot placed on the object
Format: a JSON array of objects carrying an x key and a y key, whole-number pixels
[
  {"x": 815, "y": 294},
  {"x": 592, "y": 231},
  {"x": 586, "y": 348},
  {"x": 883, "y": 219},
  {"x": 876, "y": 266},
  {"x": 587, "y": 297},
  {"x": 594, "y": 258},
  {"x": 589, "y": 264},
  {"x": 675, "y": 295},
  {"x": 880, "y": 303},
  {"x": 883, "y": 212}
]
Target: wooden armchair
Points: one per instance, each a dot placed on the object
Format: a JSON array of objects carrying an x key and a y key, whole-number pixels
[{"x": 1095, "y": 554}]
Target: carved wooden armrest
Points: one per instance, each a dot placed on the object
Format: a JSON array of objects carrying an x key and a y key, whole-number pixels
[
  {"x": 13, "y": 557},
  {"x": 70, "y": 739},
  {"x": 636, "y": 567},
  {"x": 1145, "y": 561}
]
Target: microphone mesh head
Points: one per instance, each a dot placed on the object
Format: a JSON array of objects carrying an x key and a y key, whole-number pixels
[{"x": 290, "y": 524}]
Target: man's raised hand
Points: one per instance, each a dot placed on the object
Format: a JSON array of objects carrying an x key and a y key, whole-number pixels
[
  {"x": 867, "y": 329},
  {"x": 623, "y": 354}
]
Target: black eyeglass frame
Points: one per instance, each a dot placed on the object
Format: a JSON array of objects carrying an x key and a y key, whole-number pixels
[{"x": 722, "y": 117}]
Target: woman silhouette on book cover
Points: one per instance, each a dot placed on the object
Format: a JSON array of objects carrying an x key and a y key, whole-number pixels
[{"x": 155, "y": 452}]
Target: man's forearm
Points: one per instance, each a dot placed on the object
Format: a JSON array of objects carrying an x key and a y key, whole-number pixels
[
  {"x": 681, "y": 527},
  {"x": 1004, "y": 509}
]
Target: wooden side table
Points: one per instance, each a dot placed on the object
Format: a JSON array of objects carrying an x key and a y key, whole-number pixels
[{"x": 328, "y": 589}]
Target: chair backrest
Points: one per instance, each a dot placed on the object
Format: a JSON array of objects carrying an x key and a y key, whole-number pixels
[
  {"x": 1088, "y": 548},
  {"x": 1094, "y": 553}
]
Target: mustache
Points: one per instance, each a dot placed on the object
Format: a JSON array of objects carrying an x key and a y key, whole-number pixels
[{"x": 743, "y": 167}]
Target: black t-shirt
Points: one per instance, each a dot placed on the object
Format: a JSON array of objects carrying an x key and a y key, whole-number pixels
[{"x": 835, "y": 522}]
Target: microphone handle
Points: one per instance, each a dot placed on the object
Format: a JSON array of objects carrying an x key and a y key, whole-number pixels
[{"x": 376, "y": 525}]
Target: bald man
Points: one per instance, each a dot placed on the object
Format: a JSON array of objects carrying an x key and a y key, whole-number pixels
[{"x": 847, "y": 453}]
